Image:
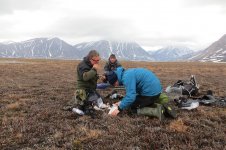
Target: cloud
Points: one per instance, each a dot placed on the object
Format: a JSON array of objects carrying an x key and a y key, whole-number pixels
[
  {"x": 96, "y": 27},
  {"x": 150, "y": 23},
  {"x": 9, "y": 6},
  {"x": 205, "y": 2},
  {"x": 220, "y": 4},
  {"x": 164, "y": 41}
]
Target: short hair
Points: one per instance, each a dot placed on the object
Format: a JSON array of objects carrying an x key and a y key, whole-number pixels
[
  {"x": 92, "y": 53},
  {"x": 112, "y": 56}
]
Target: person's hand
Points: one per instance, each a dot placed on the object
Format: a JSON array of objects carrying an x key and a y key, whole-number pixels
[
  {"x": 118, "y": 103},
  {"x": 96, "y": 67},
  {"x": 102, "y": 77},
  {"x": 114, "y": 111}
]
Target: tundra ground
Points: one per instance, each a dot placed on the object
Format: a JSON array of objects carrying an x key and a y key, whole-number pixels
[{"x": 33, "y": 92}]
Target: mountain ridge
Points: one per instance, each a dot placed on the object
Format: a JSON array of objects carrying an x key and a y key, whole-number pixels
[
  {"x": 55, "y": 48},
  {"x": 216, "y": 52}
]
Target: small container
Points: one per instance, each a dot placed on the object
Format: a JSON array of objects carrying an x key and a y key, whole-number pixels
[{"x": 78, "y": 111}]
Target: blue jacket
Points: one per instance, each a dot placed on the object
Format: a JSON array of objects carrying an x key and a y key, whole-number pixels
[{"x": 137, "y": 81}]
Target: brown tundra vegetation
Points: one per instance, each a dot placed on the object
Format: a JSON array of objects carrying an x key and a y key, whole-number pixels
[{"x": 33, "y": 92}]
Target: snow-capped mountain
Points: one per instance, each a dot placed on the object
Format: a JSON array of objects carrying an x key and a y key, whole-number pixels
[
  {"x": 216, "y": 52},
  {"x": 39, "y": 48},
  {"x": 123, "y": 50},
  {"x": 172, "y": 53},
  {"x": 58, "y": 49}
]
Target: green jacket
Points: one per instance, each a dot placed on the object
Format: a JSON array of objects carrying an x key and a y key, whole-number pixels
[{"x": 86, "y": 75}]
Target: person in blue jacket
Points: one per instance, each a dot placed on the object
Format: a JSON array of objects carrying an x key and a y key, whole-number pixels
[{"x": 143, "y": 88}]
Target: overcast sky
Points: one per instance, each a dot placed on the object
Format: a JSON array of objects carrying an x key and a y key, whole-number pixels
[{"x": 151, "y": 23}]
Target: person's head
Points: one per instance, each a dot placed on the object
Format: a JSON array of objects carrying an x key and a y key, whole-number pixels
[
  {"x": 112, "y": 78},
  {"x": 94, "y": 57},
  {"x": 112, "y": 58}
]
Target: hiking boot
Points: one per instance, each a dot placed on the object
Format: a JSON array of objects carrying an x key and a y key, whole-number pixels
[
  {"x": 152, "y": 112},
  {"x": 169, "y": 111}
]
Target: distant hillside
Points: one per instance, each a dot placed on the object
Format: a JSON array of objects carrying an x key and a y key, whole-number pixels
[
  {"x": 39, "y": 48},
  {"x": 216, "y": 52},
  {"x": 172, "y": 53}
]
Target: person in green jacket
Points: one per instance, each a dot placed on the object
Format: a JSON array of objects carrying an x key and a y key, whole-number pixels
[{"x": 86, "y": 95}]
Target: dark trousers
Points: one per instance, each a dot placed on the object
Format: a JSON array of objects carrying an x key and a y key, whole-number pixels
[{"x": 143, "y": 101}]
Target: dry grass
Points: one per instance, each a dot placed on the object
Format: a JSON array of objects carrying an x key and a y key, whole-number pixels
[
  {"x": 88, "y": 134},
  {"x": 178, "y": 126},
  {"x": 13, "y": 106}
]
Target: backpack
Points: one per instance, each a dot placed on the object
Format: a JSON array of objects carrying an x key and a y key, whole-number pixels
[{"x": 189, "y": 88}]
